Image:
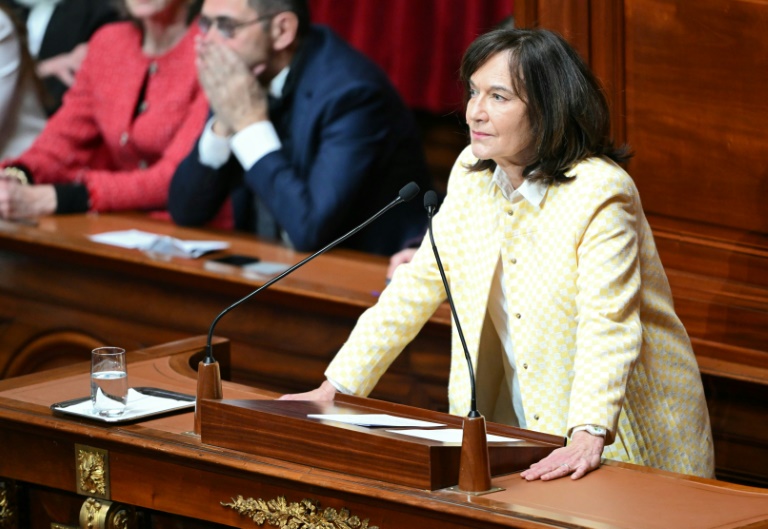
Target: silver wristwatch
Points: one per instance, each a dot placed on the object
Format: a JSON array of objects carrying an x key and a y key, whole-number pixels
[{"x": 591, "y": 429}]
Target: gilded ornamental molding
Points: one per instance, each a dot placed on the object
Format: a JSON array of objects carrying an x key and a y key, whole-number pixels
[
  {"x": 92, "y": 466},
  {"x": 9, "y": 509},
  {"x": 103, "y": 514},
  {"x": 305, "y": 514}
]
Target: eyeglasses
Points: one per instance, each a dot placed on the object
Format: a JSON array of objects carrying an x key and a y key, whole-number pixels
[{"x": 226, "y": 26}]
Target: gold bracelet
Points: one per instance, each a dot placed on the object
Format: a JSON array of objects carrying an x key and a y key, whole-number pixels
[{"x": 16, "y": 173}]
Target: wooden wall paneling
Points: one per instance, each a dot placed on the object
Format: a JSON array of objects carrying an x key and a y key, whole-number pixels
[
  {"x": 596, "y": 29},
  {"x": 606, "y": 59},
  {"x": 570, "y": 18},
  {"x": 696, "y": 74},
  {"x": 526, "y": 13}
]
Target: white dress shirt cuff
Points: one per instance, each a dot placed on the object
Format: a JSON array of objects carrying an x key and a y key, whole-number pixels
[
  {"x": 214, "y": 149},
  {"x": 339, "y": 387},
  {"x": 254, "y": 142}
]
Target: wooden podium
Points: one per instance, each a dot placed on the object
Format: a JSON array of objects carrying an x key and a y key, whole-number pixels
[
  {"x": 282, "y": 430},
  {"x": 162, "y": 470}
]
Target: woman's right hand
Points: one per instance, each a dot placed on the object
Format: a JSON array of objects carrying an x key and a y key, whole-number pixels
[
  {"x": 324, "y": 393},
  {"x": 401, "y": 257}
]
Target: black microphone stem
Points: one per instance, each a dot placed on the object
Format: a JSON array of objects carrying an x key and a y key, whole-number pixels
[
  {"x": 473, "y": 397},
  {"x": 406, "y": 194}
]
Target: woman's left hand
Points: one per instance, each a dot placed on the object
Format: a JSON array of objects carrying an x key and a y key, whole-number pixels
[{"x": 581, "y": 456}]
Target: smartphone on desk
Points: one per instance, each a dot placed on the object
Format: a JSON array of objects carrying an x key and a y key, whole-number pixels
[
  {"x": 235, "y": 260},
  {"x": 229, "y": 264},
  {"x": 246, "y": 264}
]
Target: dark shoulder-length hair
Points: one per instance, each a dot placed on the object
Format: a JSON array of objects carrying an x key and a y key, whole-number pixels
[{"x": 567, "y": 109}]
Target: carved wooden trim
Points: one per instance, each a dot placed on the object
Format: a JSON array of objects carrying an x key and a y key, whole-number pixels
[
  {"x": 305, "y": 514},
  {"x": 50, "y": 350}
]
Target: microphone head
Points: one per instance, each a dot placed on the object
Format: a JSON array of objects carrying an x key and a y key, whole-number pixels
[
  {"x": 409, "y": 191},
  {"x": 430, "y": 200}
]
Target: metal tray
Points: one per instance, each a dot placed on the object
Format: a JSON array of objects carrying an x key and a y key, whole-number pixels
[{"x": 143, "y": 402}]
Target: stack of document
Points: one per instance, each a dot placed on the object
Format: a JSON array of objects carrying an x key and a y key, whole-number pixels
[
  {"x": 161, "y": 244},
  {"x": 415, "y": 428}
]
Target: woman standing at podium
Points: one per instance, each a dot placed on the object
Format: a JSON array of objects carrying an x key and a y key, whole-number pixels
[
  {"x": 131, "y": 116},
  {"x": 562, "y": 297}
]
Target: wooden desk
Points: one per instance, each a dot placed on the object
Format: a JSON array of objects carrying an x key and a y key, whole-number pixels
[
  {"x": 62, "y": 294},
  {"x": 159, "y": 467}
]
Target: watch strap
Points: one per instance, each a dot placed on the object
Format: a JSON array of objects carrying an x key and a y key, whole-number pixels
[{"x": 591, "y": 429}]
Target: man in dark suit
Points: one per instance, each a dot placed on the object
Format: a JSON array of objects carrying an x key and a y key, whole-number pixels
[{"x": 307, "y": 137}]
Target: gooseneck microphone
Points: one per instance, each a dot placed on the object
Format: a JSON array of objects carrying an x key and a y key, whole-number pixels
[
  {"x": 474, "y": 461},
  {"x": 408, "y": 192},
  {"x": 430, "y": 204}
]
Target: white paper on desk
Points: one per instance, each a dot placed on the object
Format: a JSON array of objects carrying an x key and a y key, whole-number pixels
[
  {"x": 152, "y": 242},
  {"x": 138, "y": 405},
  {"x": 374, "y": 420},
  {"x": 450, "y": 435}
]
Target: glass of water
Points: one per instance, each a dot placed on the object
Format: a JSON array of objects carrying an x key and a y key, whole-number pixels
[{"x": 109, "y": 381}]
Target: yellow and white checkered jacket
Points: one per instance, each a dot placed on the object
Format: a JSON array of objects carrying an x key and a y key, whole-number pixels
[{"x": 596, "y": 339}]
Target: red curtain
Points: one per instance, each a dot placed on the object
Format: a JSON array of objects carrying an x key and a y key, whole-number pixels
[{"x": 419, "y": 43}]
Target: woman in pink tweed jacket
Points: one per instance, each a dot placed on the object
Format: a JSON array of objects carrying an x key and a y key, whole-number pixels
[{"x": 131, "y": 116}]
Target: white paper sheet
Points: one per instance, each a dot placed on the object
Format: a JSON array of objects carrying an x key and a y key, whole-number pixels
[
  {"x": 375, "y": 420},
  {"x": 152, "y": 242},
  {"x": 138, "y": 405},
  {"x": 450, "y": 435}
]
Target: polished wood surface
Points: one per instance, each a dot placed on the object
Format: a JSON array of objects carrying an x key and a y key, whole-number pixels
[
  {"x": 283, "y": 430},
  {"x": 158, "y": 465},
  {"x": 62, "y": 294},
  {"x": 686, "y": 84}
]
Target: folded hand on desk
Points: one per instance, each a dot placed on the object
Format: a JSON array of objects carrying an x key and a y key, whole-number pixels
[
  {"x": 325, "y": 392},
  {"x": 581, "y": 456},
  {"x": 19, "y": 201}
]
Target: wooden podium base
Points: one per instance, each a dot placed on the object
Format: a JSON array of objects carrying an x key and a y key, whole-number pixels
[
  {"x": 208, "y": 387},
  {"x": 474, "y": 468},
  {"x": 281, "y": 430}
]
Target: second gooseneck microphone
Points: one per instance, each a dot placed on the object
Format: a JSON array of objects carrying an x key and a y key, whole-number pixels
[
  {"x": 430, "y": 204},
  {"x": 408, "y": 192}
]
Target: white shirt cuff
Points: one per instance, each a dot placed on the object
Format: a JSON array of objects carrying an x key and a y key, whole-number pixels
[
  {"x": 214, "y": 149},
  {"x": 254, "y": 142},
  {"x": 339, "y": 387}
]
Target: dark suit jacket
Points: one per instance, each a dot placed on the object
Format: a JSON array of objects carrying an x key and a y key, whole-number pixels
[
  {"x": 349, "y": 145},
  {"x": 72, "y": 22}
]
